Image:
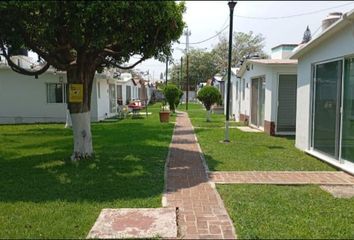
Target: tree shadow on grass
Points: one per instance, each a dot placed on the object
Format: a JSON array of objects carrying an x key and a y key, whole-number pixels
[{"x": 129, "y": 164}]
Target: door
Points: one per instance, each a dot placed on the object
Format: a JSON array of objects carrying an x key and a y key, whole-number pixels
[
  {"x": 348, "y": 112},
  {"x": 112, "y": 98},
  {"x": 286, "y": 117},
  {"x": 257, "y": 101},
  {"x": 327, "y": 98}
]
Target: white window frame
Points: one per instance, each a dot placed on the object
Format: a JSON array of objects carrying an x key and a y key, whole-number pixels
[{"x": 63, "y": 85}]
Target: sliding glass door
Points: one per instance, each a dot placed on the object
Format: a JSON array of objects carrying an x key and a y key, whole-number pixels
[
  {"x": 326, "y": 122},
  {"x": 258, "y": 99},
  {"x": 348, "y": 112}
]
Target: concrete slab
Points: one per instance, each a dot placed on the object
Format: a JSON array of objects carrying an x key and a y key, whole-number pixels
[
  {"x": 339, "y": 191},
  {"x": 248, "y": 129},
  {"x": 135, "y": 223}
]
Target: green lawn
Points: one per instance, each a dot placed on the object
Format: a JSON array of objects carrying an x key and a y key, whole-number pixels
[
  {"x": 44, "y": 195},
  {"x": 278, "y": 212},
  {"x": 248, "y": 151}
]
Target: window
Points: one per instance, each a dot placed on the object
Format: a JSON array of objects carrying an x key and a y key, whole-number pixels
[
  {"x": 99, "y": 89},
  {"x": 128, "y": 94},
  {"x": 236, "y": 90},
  {"x": 243, "y": 89},
  {"x": 56, "y": 93}
]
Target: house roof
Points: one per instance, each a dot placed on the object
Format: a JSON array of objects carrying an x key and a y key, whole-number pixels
[
  {"x": 344, "y": 21},
  {"x": 285, "y": 45},
  {"x": 272, "y": 62}
]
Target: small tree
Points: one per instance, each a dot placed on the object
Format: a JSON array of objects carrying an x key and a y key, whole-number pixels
[
  {"x": 171, "y": 93},
  {"x": 209, "y": 95},
  {"x": 178, "y": 99}
]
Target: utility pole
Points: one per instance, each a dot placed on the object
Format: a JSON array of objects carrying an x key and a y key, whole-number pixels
[
  {"x": 227, "y": 139},
  {"x": 166, "y": 69},
  {"x": 181, "y": 79},
  {"x": 187, "y": 33}
]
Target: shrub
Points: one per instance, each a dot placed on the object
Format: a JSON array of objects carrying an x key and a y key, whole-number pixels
[
  {"x": 171, "y": 93},
  {"x": 209, "y": 95}
]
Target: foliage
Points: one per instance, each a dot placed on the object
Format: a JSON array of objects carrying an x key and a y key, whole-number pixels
[
  {"x": 201, "y": 68},
  {"x": 209, "y": 95},
  {"x": 287, "y": 212},
  {"x": 249, "y": 151},
  {"x": 171, "y": 93},
  {"x": 244, "y": 44},
  {"x": 82, "y": 37},
  {"x": 178, "y": 99},
  {"x": 44, "y": 195}
]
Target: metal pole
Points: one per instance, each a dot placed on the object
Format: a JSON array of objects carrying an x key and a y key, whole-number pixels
[
  {"x": 187, "y": 33},
  {"x": 181, "y": 79},
  {"x": 166, "y": 69},
  {"x": 187, "y": 90},
  {"x": 231, "y": 6}
]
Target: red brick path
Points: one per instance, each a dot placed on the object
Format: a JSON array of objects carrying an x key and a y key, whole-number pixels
[
  {"x": 283, "y": 177},
  {"x": 201, "y": 212}
]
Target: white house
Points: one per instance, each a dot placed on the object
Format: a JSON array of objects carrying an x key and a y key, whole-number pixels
[
  {"x": 263, "y": 92},
  {"x": 25, "y": 99},
  {"x": 325, "y": 94}
]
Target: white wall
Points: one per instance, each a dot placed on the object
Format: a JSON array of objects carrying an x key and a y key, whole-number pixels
[
  {"x": 24, "y": 98},
  {"x": 339, "y": 45},
  {"x": 102, "y": 99},
  {"x": 271, "y": 73}
]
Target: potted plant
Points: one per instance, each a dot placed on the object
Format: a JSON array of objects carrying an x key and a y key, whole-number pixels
[{"x": 164, "y": 113}]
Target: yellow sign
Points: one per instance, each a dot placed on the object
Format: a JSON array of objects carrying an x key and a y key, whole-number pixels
[{"x": 76, "y": 93}]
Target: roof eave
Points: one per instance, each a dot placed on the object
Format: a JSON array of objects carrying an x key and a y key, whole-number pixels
[{"x": 334, "y": 28}]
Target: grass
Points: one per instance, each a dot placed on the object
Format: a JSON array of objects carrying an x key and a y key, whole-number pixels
[
  {"x": 44, "y": 195},
  {"x": 287, "y": 212},
  {"x": 248, "y": 151}
]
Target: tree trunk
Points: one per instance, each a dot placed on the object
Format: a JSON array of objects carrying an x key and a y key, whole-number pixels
[
  {"x": 208, "y": 115},
  {"x": 80, "y": 112},
  {"x": 68, "y": 123}
]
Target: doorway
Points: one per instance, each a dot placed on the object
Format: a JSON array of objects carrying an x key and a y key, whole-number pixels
[
  {"x": 257, "y": 101},
  {"x": 286, "y": 117},
  {"x": 326, "y": 108}
]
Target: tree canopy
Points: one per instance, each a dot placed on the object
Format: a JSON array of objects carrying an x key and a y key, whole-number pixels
[
  {"x": 81, "y": 37},
  {"x": 201, "y": 68},
  {"x": 244, "y": 44}
]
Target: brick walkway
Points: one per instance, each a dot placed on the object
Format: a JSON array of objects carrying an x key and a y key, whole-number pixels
[
  {"x": 283, "y": 177},
  {"x": 201, "y": 212}
]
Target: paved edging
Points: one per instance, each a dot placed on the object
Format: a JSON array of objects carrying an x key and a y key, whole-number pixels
[{"x": 282, "y": 177}]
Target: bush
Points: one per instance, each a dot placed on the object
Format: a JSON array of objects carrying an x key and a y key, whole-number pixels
[
  {"x": 172, "y": 93},
  {"x": 209, "y": 95},
  {"x": 177, "y": 102}
]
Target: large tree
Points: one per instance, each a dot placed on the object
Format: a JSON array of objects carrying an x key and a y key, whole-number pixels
[
  {"x": 244, "y": 44},
  {"x": 80, "y": 37},
  {"x": 201, "y": 68}
]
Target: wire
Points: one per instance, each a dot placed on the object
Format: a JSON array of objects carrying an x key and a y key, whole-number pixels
[
  {"x": 295, "y": 15},
  {"x": 214, "y": 36},
  {"x": 269, "y": 18}
]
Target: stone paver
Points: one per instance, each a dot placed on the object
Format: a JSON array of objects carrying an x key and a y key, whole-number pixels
[
  {"x": 282, "y": 177},
  {"x": 248, "y": 129},
  {"x": 339, "y": 191},
  {"x": 201, "y": 212},
  {"x": 135, "y": 223}
]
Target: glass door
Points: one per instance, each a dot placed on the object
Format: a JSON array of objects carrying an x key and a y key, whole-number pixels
[
  {"x": 326, "y": 122},
  {"x": 348, "y": 112},
  {"x": 261, "y": 101},
  {"x": 112, "y": 98},
  {"x": 254, "y": 103},
  {"x": 258, "y": 100}
]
